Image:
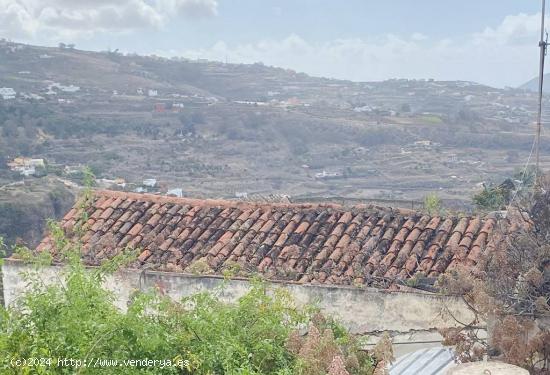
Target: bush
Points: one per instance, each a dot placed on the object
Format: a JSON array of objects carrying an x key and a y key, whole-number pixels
[
  {"x": 432, "y": 204},
  {"x": 490, "y": 198},
  {"x": 77, "y": 319},
  {"x": 510, "y": 291}
]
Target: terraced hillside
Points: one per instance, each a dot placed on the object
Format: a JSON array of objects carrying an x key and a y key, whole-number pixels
[{"x": 221, "y": 130}]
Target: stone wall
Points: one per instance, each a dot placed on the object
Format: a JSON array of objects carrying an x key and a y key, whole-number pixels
[{"x": 412, "y": 318}]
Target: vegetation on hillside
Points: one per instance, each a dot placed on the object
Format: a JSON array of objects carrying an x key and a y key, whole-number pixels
[
  {"x": 202, "y": 132},
  {"x": 24, "y": 209}
]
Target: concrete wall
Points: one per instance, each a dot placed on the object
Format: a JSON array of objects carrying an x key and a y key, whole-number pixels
[{"x": 411, "y": 318}]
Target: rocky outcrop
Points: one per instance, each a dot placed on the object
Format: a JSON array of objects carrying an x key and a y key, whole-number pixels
[{"x": 25, "y": 207}]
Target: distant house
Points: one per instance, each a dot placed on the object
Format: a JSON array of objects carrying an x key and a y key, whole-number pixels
[
  {"x": 7, "y": 93},
  {"x": 31, "y": 171},
  {"x": 326, "y": 175},
  {"x": 426, "y": 144},
  {"x": 151, "y": 92},
  {"x": 120, "y": 182},
  {"x": 241, "y": 194},
  {"x": 26, "y": 166},
  {"x": 291, "y": 102},
  {"x": 15, "y": 48},
  {"x": 109, "y": 184},
  {"x": 70, "y": 88},
  {"x": 73, "y": 169},
  {"x": 423, "y": 143},
  {"x": 453, "y": 158},
  {"x": 150, "y": 182},
  {"x": 105, "y": 183},
  {"x": 250, "y": 102},
  {"x": 32, "y": 96},
  {"x": 177, "y": 192},
  {"x": 26, "y": 162},
  {"x": 36, "y": 162},
  {"x": 364, "y": 108}
]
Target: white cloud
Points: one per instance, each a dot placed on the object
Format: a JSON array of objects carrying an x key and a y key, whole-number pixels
[
  {"x": 500, "y": 56},
  {"x": 189, "y": 8},
  {"x": 76, "y": 18},
  {"x": 419, "y": 36},
  {"x": 514, "y": 30}
]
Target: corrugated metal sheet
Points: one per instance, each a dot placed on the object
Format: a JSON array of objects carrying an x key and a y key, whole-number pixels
[{"x": 435, "y": 361}]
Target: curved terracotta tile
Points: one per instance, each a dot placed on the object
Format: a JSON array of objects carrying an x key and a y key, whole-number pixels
[{"x": 323, "y": 243}]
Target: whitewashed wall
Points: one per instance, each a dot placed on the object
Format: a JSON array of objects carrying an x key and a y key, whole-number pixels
[{"x": 411, "y": 318}]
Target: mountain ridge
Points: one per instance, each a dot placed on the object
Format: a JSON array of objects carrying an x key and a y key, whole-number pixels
[{"x": 533, "y": 84}]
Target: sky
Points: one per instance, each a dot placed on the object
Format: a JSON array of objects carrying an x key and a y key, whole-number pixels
[{"x": 494, "y": 42}]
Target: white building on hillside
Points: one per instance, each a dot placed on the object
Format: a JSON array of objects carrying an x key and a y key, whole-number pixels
[
  {"x": 150, "y": 182},
  {"x": 26, "y": 166},
  {"x": 56, "y": 85},
  {"x": 70, "y": 88},
  {"x": 7, "y": 93},
  {"x": 177, "y": 192}
]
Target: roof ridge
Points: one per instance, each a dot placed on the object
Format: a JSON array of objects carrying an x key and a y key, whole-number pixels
[{"x": 209, "y": 202}]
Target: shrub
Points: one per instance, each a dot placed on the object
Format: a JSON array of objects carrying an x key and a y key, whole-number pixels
[
  {"x": 490, "y": 198},
  {"x": 510, "y": 290},
  {"x": 77, "y": 319},
  {"x": 432, "y": 204}
]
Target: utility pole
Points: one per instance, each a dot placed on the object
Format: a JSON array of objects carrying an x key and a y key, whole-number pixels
[{"x": 543, "y": 44}]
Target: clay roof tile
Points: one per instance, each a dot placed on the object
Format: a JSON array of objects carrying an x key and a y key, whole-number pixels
[{"x": 323, "y": 243}]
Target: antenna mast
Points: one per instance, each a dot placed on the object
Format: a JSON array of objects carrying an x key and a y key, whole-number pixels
[{"x": 543, "y": 44}]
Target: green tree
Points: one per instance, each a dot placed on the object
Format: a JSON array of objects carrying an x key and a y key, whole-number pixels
[{"x": 405, "y": 108}]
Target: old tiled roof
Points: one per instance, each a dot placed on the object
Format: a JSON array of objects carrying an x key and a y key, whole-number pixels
[{"x": 304, "y": 243}]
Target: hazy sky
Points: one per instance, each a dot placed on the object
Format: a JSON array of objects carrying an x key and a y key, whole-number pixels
[{"x": 488, "y": 41}]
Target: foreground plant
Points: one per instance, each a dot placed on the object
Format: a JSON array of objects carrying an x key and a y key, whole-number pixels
[
  {"x": 511, "y": 292},
  {"x": 74, "y": 325}
]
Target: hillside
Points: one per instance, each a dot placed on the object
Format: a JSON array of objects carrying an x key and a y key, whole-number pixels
[
  {"x": 227, "y": 130},
  {"x": 533, "y": 84},
  {"x": 24, "y": 206}
]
